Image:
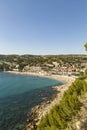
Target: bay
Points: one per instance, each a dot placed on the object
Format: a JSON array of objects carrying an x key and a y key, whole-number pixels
[{"x": 18, "y": 95}]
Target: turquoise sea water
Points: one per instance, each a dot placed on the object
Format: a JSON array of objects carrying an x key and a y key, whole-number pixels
[{"x": 18, "y": 94}]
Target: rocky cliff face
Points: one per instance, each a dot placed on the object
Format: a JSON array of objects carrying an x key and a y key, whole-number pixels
[{"x": 80, "y": 122}]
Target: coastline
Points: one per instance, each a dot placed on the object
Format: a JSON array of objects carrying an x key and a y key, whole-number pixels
[
  {"x": 62, "y": 78},
  {"x": 40, "y": 110}
]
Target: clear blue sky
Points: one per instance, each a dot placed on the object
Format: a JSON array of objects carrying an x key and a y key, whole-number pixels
[{"x": 43, "y": 26}]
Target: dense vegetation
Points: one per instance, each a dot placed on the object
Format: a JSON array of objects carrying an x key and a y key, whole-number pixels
[{"x": 61, "y": 114}]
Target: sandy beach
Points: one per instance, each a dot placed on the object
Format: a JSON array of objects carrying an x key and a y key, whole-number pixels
[{"x": 63, "y": 78}]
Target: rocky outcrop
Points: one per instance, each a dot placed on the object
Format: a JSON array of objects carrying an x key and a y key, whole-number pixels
[
  {"x": 35, "y": 115},
  {"x": 32, "y": 118},
  {"x": 40, "y": 110}
]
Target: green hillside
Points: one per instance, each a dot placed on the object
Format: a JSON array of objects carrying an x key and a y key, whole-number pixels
[{"x": 63, "y": 113}]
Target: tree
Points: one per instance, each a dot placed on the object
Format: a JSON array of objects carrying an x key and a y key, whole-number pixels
[
  {"x": 85, "y": 46},
  {"x": 86, "y": 50}
]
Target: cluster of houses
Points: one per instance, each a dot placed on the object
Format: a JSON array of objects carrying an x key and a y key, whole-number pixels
[{"x": 55, "y": 67}]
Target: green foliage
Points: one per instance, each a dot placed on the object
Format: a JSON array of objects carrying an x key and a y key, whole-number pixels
[
  {"x": 86, "y": 73},
  {"x": 85, "y": 46},
  {"x": 69, "y": 106}
]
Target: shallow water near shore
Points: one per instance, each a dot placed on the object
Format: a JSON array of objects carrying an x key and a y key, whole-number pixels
[{"x": 19, "y": 94}]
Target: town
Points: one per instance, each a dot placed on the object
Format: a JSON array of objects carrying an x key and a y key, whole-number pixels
[{"x": 49, "y": 64}]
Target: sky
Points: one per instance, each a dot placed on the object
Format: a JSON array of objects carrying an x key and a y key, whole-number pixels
[{"x": 43, "y": 27}]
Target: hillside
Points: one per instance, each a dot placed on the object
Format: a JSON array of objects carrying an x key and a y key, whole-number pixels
[{"x": 71, "y": 112}]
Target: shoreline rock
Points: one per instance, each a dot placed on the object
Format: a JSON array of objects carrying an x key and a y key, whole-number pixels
[{"x": 40, "y": 110}]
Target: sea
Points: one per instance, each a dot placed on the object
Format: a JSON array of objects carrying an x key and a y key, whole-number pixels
[{"x": 19, "y": 94}]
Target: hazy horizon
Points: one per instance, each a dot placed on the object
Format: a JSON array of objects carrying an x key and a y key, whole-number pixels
[{"x": 42, "y": 54}]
